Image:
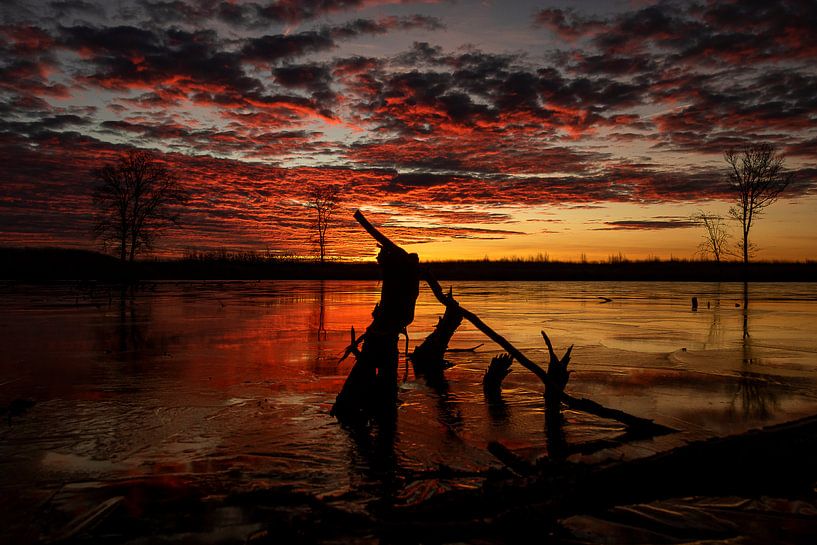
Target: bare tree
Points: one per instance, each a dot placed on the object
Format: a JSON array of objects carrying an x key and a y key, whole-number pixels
[
  {"x": 136, "y": 199},
  {"x": 324, "y": 199},
  {"x": 716, "y": 237},
  {"x": 757, "y": 177}
]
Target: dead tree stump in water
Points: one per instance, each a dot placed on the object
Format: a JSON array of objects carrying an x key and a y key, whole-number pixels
[
  {"x": 498, "y": 369},
  {"x": 558, "y": 376},
  {"x": 640, "y": 427},
  {"x": 429, "y": 357},
  {"x": 371, "y": 387}
]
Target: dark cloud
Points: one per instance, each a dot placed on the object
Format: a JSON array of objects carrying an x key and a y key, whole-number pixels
[
  {"x": 272, "y": 48},
  {"x": 447, "y": 128},
  {"x": 567, "y": 23},
  {"x": 63, "y": 8},
  {"x": 648, "y": 225},
  {"x": 290, "y": 11},
  {"x": 244, "y": 14}
]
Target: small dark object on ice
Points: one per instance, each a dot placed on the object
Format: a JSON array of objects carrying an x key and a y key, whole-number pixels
[
  {"x": 604, "y": 300},
  {"x": 694, "y": 304},
  {"x": 498, "y": 369},
  {"x": 18, "y": 407}
]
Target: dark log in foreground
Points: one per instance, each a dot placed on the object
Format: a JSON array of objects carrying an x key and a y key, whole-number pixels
[
  {"x": 429, "y": 357},
  {"x": 371, "y": 387},
  {"x": 777, "y": 460},
  {"x": 636, "y": 426}
]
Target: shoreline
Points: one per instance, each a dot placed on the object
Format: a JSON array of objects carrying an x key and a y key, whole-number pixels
[{"x": 27, "y": 265}]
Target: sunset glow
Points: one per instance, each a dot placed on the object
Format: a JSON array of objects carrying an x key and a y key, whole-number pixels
[{"x": 465, "y": 129}]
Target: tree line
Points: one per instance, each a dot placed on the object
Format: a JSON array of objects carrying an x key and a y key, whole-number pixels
[{"x": 138, "y": 198}]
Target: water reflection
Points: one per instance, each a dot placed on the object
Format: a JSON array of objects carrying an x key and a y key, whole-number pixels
[
  {"x": 498, "y": 410},
  {"x": 447, "y": 404},
  {"x": 715, "y": 336},
  {"x": 754, "y": 392},
  {"x": 554, "y": 432},
  {"x": 374, "y": 455},
  {"x": 241, "y": 375},
  {"x": 755, "y": 397}
]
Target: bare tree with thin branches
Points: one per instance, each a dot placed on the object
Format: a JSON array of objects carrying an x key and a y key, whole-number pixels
[
  {"x": 716, "y": 238},
  {"x": 757, "y": 177},
  {"x": 136, "y": 199},
  {"x": 324, "y": 199}
]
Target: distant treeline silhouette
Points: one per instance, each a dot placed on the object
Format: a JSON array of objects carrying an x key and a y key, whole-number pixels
[
  {"x": 49, "y": 264},
  {"x": 239, "y": 256}
]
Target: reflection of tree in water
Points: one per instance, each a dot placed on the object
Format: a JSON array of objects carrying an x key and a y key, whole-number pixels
[
  {"x": 316, "y": 328},
  {"x": 131, "y": 326},
  {"x": 374, "y": 455},
  {"x": 714, "y": 337},
  {"x": 448, "y": 411},
  {"x": 747, "y": 347},
  {"x": 318, "y": 322},
  {"x": 129, "y": 337},
  {"x": 756, "y": 396},
  {"x": 498, "y": 409}
]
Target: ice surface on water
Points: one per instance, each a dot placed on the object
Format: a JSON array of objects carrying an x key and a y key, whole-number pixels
[{"x": 234, "y": 380}]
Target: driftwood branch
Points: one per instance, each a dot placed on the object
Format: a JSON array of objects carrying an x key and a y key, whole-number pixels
[
  {"x": 382, "y": 239},
  {"x": 637, "y": 425},
  {"x": 429, "y": 357},
  {"x": 374, "y": 375}
]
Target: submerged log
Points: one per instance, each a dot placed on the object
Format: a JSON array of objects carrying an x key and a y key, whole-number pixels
[
  {"x": 371, "y": 387},
  {"x": 429, "y": 357},
  {"x": 498, "y": 369}
]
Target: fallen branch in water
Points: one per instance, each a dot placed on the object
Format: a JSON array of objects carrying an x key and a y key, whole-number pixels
[
  {"x": 429, "y": 357},
  {"x": 637, "y": 426},
  {"x": 373, "y": 379}
]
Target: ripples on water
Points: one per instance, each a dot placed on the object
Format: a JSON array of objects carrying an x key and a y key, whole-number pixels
[{"x": 234, "y": 380}]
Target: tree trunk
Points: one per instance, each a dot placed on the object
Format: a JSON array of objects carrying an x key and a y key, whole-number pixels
[
  {"x": 370, "y": 389},
  {"x": 429, "y": 357}
]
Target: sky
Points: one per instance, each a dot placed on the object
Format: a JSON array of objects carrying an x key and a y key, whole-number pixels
[{"x": 466, "y": 129}]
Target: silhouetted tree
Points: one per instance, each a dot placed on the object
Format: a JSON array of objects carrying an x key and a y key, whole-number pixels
[
  {"x": 136, "y": 199},
  {"x": 757, "y": 177},
  {"x": 716, "y": 236},
  {"x": 324, "y": 199}
]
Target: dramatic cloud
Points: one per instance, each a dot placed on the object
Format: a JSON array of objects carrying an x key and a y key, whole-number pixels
[{"x": 431, "y": 130}]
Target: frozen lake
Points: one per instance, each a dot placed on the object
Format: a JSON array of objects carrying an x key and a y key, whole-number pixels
[{"x": 230, "y": 383}]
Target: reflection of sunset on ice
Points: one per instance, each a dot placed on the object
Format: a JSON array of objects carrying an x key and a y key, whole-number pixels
[{"x": 195, "y": 383}]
